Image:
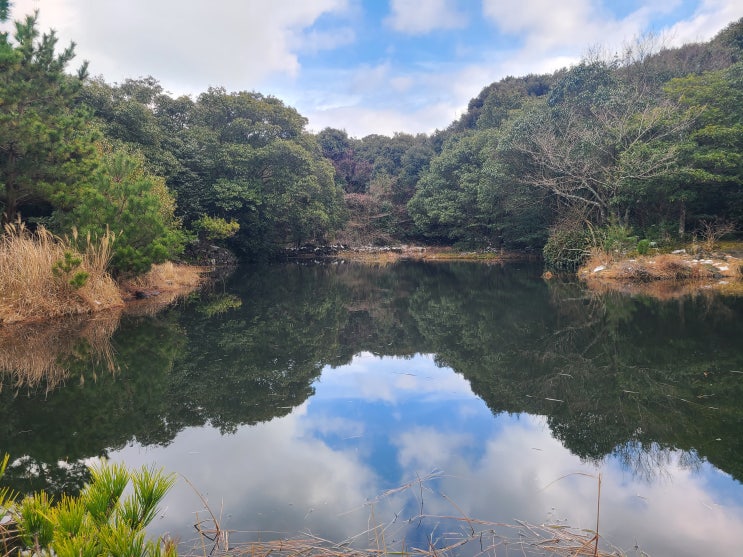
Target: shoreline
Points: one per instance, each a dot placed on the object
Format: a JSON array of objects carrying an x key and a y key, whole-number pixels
[
  {"x": 664, "y": 276},
  {"x": 159, "y": 287}
]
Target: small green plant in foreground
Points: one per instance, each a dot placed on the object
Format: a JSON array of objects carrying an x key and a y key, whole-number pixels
[
  {"x": 100, "y": 521},
  {"x": 67, "y": 268}
]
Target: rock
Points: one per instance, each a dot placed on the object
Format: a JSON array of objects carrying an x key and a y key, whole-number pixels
[
  {"x": 142, "y": 294},
  {"x": 599, "y": 269}
]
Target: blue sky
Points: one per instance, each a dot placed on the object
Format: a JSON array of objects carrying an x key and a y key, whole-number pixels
[{"x": 366, "y": 66}]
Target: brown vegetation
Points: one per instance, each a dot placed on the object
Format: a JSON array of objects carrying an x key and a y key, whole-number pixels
[
  {"x": 42, "y": 276},
  {"x": 161, "y": 286},
  {"x": 662, "y": 275},
  {"x": 386, "y": 255},
  {"x": 466, "y": 536}
]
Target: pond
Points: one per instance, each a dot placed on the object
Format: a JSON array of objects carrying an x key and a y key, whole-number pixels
[{"x": 408, "y": 405}]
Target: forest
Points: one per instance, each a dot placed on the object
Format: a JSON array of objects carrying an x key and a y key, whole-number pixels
[{"x": 644, "y": 144}]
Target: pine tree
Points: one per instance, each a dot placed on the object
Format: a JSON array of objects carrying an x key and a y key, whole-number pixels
[{"x": 46, "y": 142}]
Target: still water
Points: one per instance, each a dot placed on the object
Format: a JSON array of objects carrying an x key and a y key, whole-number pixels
[{"x": 326, "y": 400}]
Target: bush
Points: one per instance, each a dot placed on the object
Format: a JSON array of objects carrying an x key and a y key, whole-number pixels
[
  {"x": 100, "y": 521},
  {"x": 618, "y": 239},
  {"x": 216, "y": 228},
  {"x": 136, "y": 205},
  {"x": 567, "y": 247},
  {"x": 643, "y": 247}
]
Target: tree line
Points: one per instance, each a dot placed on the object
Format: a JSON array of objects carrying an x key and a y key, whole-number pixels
[{"x": 645, "y": 143}]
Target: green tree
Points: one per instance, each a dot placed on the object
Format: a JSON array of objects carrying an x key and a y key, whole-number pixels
[
  {"x": 468, "y": 197},
  {"x": 711, "y": 183},
  {"x": 250, "y": 160},
  {"x": 4, "y": 10},
  {"x": 45, "y": 142},
  {"x": 136, "y": 206}
]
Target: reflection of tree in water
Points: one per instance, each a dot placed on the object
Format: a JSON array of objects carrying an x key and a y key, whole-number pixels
[
  {"x": 257, "y": 361},
  {"x": 54, "y": 431},
  {"x": 612, "y": 374}
]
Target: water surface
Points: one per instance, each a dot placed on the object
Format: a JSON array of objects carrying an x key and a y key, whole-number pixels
[{"x": 298, "y": 398}]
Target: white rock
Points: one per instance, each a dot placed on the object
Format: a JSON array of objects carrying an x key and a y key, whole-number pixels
[{"x": 599, "y": 268}]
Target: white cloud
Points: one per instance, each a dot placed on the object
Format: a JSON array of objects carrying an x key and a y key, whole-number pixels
[
  {"x": 709, "y": 18},
  {"x": 543, "y": 17},
  {"x": 569, "y": 27},
  {"x": 235, "y": 43},
  {"x": 416, "y": 17},
  {"x": 315, "y": 41}
]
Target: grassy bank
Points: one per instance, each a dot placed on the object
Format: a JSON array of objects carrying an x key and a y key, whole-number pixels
[
  {"x": 43, "y": 277},
  {"x": 663, "y": 275},
  {"x": 386, "y": 255}
]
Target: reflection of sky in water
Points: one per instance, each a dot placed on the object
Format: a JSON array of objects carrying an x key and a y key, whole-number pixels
[{"x": 378, "y": 423}]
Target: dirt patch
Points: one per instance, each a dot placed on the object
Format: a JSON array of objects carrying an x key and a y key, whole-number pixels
[{"x": 161, "y": 286}]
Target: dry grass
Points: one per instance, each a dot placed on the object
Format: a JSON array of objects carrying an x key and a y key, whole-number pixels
[
  {"x": 663, "y": 276},
  {"x": 166, "y": 277},
  {"x": 460, "y": 535},
  {"x": 486, "y": 539},
  {"x": 34, "y": 287},
  {"x": 30, "y": 290},
  {"x": 385, "y": 256},
  {"x": 163, "y": 285}
]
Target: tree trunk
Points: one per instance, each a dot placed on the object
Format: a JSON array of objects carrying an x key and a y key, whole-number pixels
[{"x": 682, "y": 220}]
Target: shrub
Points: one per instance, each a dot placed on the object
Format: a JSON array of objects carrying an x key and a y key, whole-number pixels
[
  {"x": 44, "y": 276},
  {"x": 618, "y": 238},
  {"x": 100, "y": 521},
  {"x": 124, "y": 197},
  {"x": 567, "y": 247},
  {"x": 643, "y": 247},
  {"x": 216, "y": 228}
]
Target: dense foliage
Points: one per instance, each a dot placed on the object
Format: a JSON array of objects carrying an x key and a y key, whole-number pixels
[
  {"x": 648, "y": 140},
  {"x": 241, "y": 157},
  {"x": 57, "y": 170}
]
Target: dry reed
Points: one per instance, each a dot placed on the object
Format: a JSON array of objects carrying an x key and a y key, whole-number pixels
[
  {"x": 478, "y": 538},
  {"x": 29, "y": 287}
]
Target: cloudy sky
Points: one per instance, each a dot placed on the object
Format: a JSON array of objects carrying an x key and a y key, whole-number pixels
[{"x": 366, "y": 66}]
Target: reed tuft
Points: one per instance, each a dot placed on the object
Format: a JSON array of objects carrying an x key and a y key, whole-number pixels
[{"x": 44, "y": 276}]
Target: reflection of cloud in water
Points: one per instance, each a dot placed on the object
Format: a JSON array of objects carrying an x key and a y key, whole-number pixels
[
  {"x": 526, "y": 474},
  {"x": 263, "y": 478},
  {"x": 329, "y": 456},
  {"x": 393, "y": 379}
]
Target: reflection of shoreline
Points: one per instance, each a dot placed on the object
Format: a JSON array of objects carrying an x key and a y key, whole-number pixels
[{"x": 36, "y": 354}]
